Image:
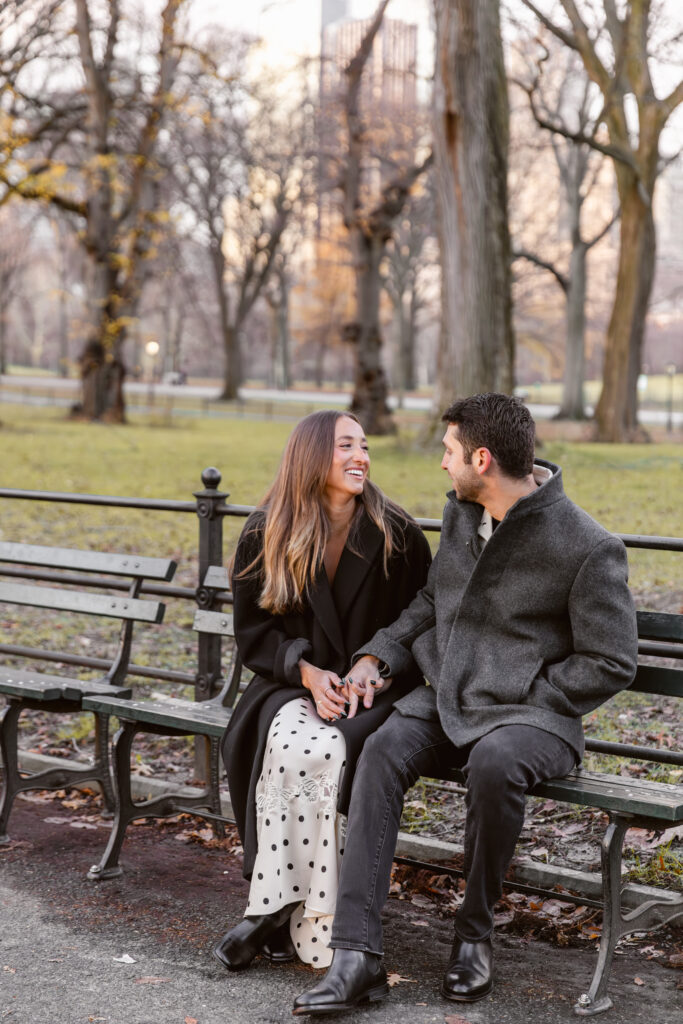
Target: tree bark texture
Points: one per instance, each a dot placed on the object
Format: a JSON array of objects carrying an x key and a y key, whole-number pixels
[
  {"x": 572, "y": 405},
  {"x": 370, "y": 388},
  {"x": 616, "y": 415},
  {"x": 476, "y": 351}
]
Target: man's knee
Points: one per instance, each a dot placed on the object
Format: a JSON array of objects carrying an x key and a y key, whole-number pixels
[{"x": 491, "y": 772}]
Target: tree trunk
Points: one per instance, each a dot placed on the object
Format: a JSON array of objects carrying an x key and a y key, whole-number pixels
[
  {"x": 230, "y": 332},
  {"x": 3, "y": 353},
  {"x": 232, "y": 369},
  {"x": 281, "y": 378},
  {"x": 102, "y": 365},
  {"x": 102, "y": 375},
  {"x": 370, "y": 389},
  {"x": 616, "y": 415},
  {"x": 476, "y": 351},
  {"x": 572, "y": 405}
]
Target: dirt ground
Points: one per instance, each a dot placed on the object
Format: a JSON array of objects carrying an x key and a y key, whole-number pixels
[{"x": 62, "y": 939}]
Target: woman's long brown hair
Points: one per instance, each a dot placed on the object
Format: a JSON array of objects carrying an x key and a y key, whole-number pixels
[{"x": 296, "y": 526}]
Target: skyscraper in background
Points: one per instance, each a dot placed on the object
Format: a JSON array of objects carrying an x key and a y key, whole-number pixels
[{"x": 388, "y": 91}]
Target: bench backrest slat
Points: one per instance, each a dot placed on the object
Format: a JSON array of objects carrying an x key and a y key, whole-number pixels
[
  {"x": 659, "y": 680},
  {"x": 660, "y": 626},
  {"x": 217, "y": 578},
  {"x": 127, "y": 608},
  {"x": 219, "y": 623},
  {"x": 88, "y": 561}
]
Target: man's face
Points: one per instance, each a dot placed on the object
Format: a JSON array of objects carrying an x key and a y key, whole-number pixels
[{"x": 466, "y": 481}]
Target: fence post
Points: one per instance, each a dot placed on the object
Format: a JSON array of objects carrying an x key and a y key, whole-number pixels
[{"x": 208, "y": 647}]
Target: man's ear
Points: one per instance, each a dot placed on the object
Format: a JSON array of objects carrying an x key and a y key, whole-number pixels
[{"x": 481, "y": 460}]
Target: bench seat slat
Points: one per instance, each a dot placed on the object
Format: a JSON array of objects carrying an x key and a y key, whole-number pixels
[
  {"x": 39, "y": 686},
  {"x": 640, "y": 797},
  {"x": 88, "y": 561},
  {"x": 77, "y": 601},
  {"x": 200, "y": 717}
]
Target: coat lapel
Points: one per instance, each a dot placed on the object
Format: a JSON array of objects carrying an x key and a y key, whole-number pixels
[
  {"x": 322, "y": 605},
  {"x": 331, "y": 604},
  {"x": 354, "y": 568}
]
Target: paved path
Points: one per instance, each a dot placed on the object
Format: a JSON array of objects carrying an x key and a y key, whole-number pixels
[
  {"x": 143, "y": 392},
  {"x": 62, "y": 937}
]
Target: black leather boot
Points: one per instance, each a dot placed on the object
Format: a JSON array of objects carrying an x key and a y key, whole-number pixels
[
  {"x": 241, "y": 944},
  {"x": 279, "y": 948},
  {"x": 352, "y": 977},
  {"x": 468, "y": 976}
]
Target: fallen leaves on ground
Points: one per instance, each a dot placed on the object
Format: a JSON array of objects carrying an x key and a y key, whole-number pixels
[
  {"x": 396, "y": 979},
  {"x": 151, "y": 980}
]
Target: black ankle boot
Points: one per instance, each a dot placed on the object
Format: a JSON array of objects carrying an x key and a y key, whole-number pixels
[
  {"x": 352, "y": 977},
  {"x": 279, "y": 948},
  {"x": 241, "y": 944},
  {"x": 468, "y": 975}
]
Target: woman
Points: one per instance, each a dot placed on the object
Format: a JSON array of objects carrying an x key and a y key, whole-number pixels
[{"x": 324, "y": 562}]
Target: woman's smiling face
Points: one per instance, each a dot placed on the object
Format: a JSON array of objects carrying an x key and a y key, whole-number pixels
[{"x": 350, "y": 460}]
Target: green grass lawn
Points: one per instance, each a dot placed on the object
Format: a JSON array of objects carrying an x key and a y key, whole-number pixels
[{"x": 629, "y": 488}]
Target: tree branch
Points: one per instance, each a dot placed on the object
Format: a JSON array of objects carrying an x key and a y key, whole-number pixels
[
  {"x": 524, "y": 254},
  {"x": 601, "y": 234}
]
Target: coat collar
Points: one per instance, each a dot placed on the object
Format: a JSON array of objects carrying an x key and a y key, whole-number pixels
[
  {"x": 330, "y": 604},
  {"x": 547, "y": 494}
]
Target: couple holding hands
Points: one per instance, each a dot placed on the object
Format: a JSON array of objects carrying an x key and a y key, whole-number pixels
[{"x": 374, "y": 665}]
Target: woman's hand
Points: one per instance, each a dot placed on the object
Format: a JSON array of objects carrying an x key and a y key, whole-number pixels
[
  {"x": 329, "y": 703},
  {"x": 364, "y": 681}
]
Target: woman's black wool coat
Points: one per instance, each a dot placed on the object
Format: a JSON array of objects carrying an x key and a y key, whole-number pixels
[{"x": 333, "y": 623}]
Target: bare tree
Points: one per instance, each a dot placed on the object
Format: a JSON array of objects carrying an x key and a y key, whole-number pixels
[
  {"x": 15, "y": 240},
  {"x": 90, "y": 152},
  {"x": 615, "y": 45},
  {"x": 568, "y": 100},
  {"x": 369, "y": 219},
  {"x": 476, "y": 351},
  {"x": 239, "y": 165},
  {"x": 407, "y": 273}
]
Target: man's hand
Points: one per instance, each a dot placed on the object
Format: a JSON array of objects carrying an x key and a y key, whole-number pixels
[
  {"x": 329, "y": 702},
  {"x": 363, "y": 681}
]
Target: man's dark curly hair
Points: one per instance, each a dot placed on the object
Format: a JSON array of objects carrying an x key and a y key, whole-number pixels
[{"x": 502, "y": 424}]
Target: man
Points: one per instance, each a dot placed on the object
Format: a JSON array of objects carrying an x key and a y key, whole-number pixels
[{"x": 524, "y": 625}]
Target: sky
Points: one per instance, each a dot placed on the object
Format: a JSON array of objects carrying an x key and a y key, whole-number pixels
[{"x": 293, "y": 26}]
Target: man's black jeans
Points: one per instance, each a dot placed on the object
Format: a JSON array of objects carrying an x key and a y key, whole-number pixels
[{"x": 500, "y": 769}]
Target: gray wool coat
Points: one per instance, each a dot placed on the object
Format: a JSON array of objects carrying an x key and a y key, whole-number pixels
[{"x": 537, "y": 628}]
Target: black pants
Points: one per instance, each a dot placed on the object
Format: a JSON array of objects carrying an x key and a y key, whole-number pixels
[{"x": 500, "y": 769}]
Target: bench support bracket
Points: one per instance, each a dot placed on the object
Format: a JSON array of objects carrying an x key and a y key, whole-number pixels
[
  {"x": 14, "y": 782},
  {"x": 615, "y": 924}
]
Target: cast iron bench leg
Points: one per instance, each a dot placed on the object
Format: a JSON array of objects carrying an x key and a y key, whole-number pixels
[
  {"x": 102, "y": 765},
  {"x": 10, "y": 769},
  {"x": 124, "y": 811},
  {"x": 596, "y": 999}
]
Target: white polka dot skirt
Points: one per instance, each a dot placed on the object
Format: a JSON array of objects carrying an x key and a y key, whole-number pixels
[{"x": 300, "y": 834}]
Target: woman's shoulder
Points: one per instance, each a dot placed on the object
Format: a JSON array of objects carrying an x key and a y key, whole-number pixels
[{"x": 251, "y": 538}]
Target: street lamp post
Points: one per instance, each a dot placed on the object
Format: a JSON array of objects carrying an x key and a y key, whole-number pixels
[
  {"x": 152, "y": 351},
  {"x": 671, "y": 373}
]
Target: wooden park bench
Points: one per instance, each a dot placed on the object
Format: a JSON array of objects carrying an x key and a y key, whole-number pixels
[{"x": 65, "y": 569}]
